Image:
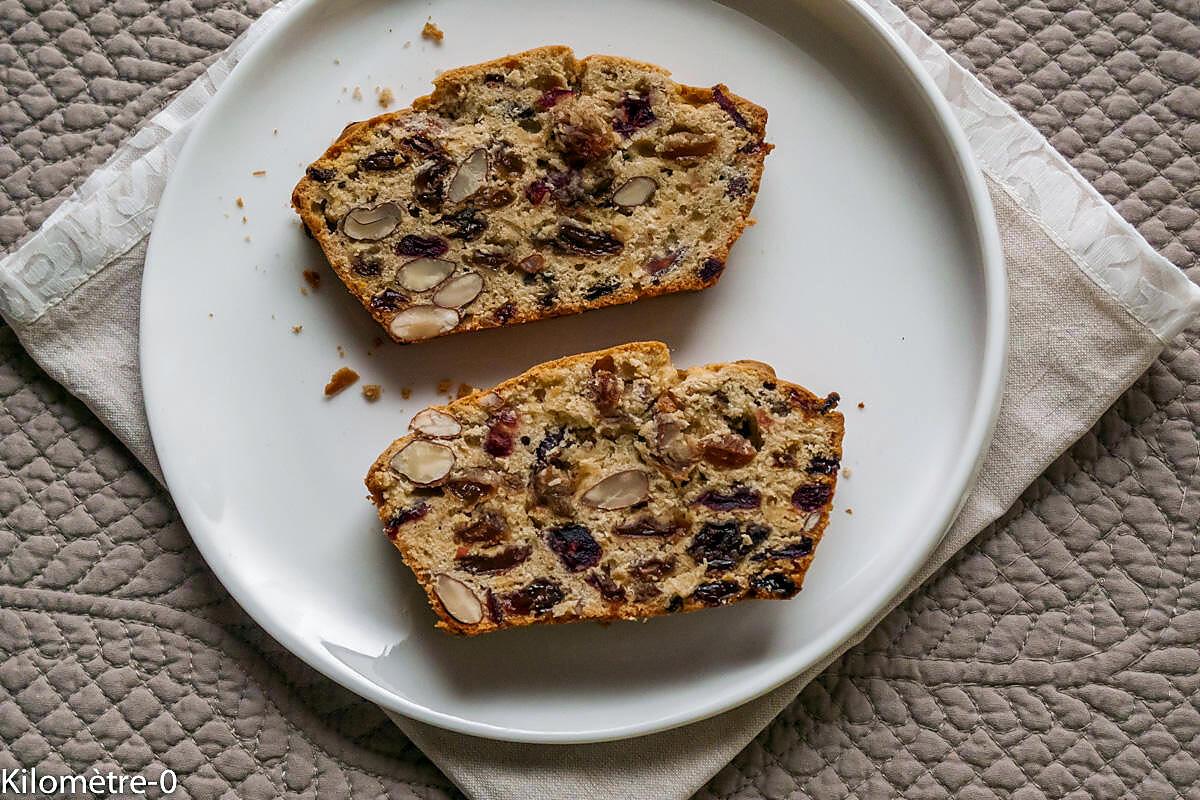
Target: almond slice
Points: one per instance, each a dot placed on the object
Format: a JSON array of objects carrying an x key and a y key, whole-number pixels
[
  {"x": 619, "y": 490},
  {"x": 435, "y": 424},
  {"x": 635, "y": 192},
  {"x": 458, "y": 599},
  {"x": 458, "y": 292},
  {"x": 424, "y": 463},
  {"x": 422, "y": 322},
  {"x": 424, "y": 273},
  {"x": 470, "y": 176},
  {"x": 371, "y": 223}
]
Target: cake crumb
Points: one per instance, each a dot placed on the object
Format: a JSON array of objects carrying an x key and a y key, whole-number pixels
[
  {"x": 243, "y": 220},
  {"x": 341, "y": 351},
  {"x": 297, "y": 328},
  {"x": 356, "y": 94},
  {"x": 371, "y": 391},
  {"x": 210, "y": 315},
  {"x": 312, "y": 278},
  {"x": 407, "y": 45},
  {"x": 386, "y": 97},
  {"x": 464, "y": 389},
  {"x": 340, "y": 380},
  {"x": 443, "y": 386},
  {"x": 849, "y": 510},
  {"x": 377, "y": 342},
  {"x": 862, "y": 405},
  {"x": 406, "y": 392},
  {"x": 847, "y": 472},
  {"x": 304, "y": 291},
  {"x": 275, "y": 131},
  {"x": 258, "y": 173},
  {"x": 432, "y": 32},
  {"x": 240, "y": 202}
]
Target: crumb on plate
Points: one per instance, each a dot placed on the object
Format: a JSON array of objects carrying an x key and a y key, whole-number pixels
[
  {"x": 386, "y": 97},
  {"x": 356, "y": 94},
  {"x": 443, "y": 386},
  {"x": 297, "y": 328},
  {"x": 241, "y": 203},
  {"x": 464, "y": 389},
  {"x": 312, "y": 278},
  {"x": 371, "y": 391},
  {"x": 432, "y": 32},
  {"x": 406, "y": 392},
  {"x": 862, "y": 405},
  {"x": 340, "y": 380},
  {"x": 258, "y": 173}
]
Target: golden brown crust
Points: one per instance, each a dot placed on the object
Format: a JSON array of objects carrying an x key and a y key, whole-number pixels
[
  {"x": 808, "y": 404},
  {"x": 445, "y": 87}
]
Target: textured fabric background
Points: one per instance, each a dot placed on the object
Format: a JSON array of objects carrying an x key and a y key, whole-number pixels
[{"x": 1055, "y": 656}]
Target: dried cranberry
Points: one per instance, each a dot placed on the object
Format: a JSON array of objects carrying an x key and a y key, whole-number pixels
[
  {"x": 648, "y": 526},
  {"x": 797, "y": 549},
  {"x": 536, "y": 192},
  {"x": 488, "y": 528},
  {"x": 653, "y": 568},
  {"x": 575, "y": 546},
  {"x": 633, "y": 113},
  {"x": 413, "y": 245},
  {"x": 366, "y": 266},
  {"x": 720, "y": 544},
  {"x": 811, "y": 496},
  {"x": 820, "y": 465},
  {"x": 468, "y": 223},
  {"x": 550, "y": 98},
  {"x": 710, "y": 269},
  {"x": 413, "y": 512},
  {"x": 657, "y": 265},
  {"x": 505, "y": 312},
  {"x": 499, "y": 439},
  {"x": 602, "y": 288},
  {"x": 714, "y": 593},
  {"x": 577, "y": 239},
  {"x": 729, "y": 108},
  {"x": 728, "y": 450},
  {"x": 777, "y": 584},
  {"x": 608, "y": 588},
  {"x": 380, "y": 161},
  {"x": 321, "y": 175},
  {"x": 493, "y": 563},
  {"x": 738, "y": 497},
  {"x": 538, "y": 597},
  {"x": 388, "y": 300},
  {"x": 429, "y": 184},
  {"x": 738, "y": 186}
]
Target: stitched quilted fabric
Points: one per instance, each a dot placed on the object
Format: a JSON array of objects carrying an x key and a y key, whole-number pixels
[{"x": 1058, "y": 655}]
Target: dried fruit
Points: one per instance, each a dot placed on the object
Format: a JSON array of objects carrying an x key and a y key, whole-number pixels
[
  {"x": 646, "y": 525},
  {"x": 608, "y": 588},
  {"x": 490, "y": 256},
  {"x": 458, "y": 599},
  {"x": 532, "y": 264},
  {"x": 422, "y": 274},
  {"x": 380, "y": 161},
  {"x": 550, "y": 98},
  {"x": 429, "y": 184},
  {"x": 499, "y": 439},
  {"x": 369, "y": 224},
  {"x": 574, "y": 545},
  {"x": 633, "y": 112},
  {"x": 468, "y": 223},
  {"x": 435, "y": 424},
  {"x": 657, "y": 265},
  {"x": 321, "y": 175},
  {"x": 536, "y": 192},
  {"x": 606, "y": 387},
  {"x": 635, "y": 192},
  {"x": 493, "y": 563},
  {"x": 459, "y": 291},
  {"x": 727, "y": 450},
  {"x": 653, "y": 568},
  {"x": 403, "y": 516},
  {"x": 421, "y": 145},
  {"x": 423, "y": 462},
  {"x": 473, "y": 484},
  {"x": 822, "y": 465},
  {"x": 776, "y": 584},
  {"x": 554, "y": 488},
  {"x": 710, "y": 269},
  {"x": 602, "y": 288},
  {"x": 470, "y": 176},
  {"x": 714, "y": 593},
  {"x": 721, "y": 545},
  {"x": 538, "y": 597},
  {"x": 737, "y": 186},
  {"x": 737, "y": 498},
  {"x": 366, "y": 266},
  {"x": 388, "y": 300},
  {"x": 619, "y": 490},
  {"x": 686, "y": 145},
  {"x": 507, "y": 161},
  {"x": 422, "y": 322},
  {"x": 727, "y": 105},
  {"x": 789, "y": 550},
  {"x": 676, "y": 449},
  {"x": 412, "y": 245},
  {"x": 574, "y": 238},
  {"x": 811, "y": 496},
  {"x": 488, "y": 527},
  {"x": 581, "y": 130},
  {"x": 505, "y": 312}
]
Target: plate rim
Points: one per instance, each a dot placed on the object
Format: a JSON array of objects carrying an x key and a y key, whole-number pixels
[{"x": 980, "y": 429}]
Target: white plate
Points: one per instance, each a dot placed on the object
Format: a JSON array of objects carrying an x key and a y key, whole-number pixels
[{"x": 874, "y": 270}]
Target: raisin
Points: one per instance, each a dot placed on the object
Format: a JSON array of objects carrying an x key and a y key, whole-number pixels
[
  {"x": 413, "y": 512},
  {"x": 776, "y": 584},
  {"x": 469, "y": 489},
  {"x": 829, "y": 403},
  {"x": 608, "y": 588},
  {"x": 489, "y": 528},
  {"x": 549, "y": 443},
  {"x": 574, "y": 238},
  {"x": 728, "y": 450},
  {"x": 429, "y": 184},
  {"x": 421, "y": 145},
  {"x": 633, "y": 113},
  {"x": 711, "y": 269},
  {"x": 811, "y": 496},
  {"x": 321, "y": 175},
  {"x": 674, "y": 604},
  {"x": 607, "y": 389},
  {"x": 538, "y": 597},
  {"x": 493, "y": 78},
  {"x": 493, "y": 607},
  {"x": 657, "y": 265},
  {"x": 388, "y": 300},
  {"x": 653, "y": 568},
  {"x": 532, "y": 264},
  {"x": 738, "y": 497},
  {"x": 491, "y": 257},
  {"x": 714, "y": 593},
  {"x": 797, "y": 549},
  {"x": 821, "y": 465},
  {"x": 493, "y": 563},
  {"x": 753, "y": 147},
  {"x": 536, "y": 192},
  {"x": 738, "y": 186},
  {"x": 468, "y": 224},
  {"x": 508, "y": 162},
  {"x": 729, "y": 108},
  {"x": 602, "y": 288},
  {"x": 366, "y": 266},
  {"x": 553, "y": 487},
  {"x": 413, "y": 245},
  {"x": 505, "y": 312},
  {"x": 575, "y": 546},
  {"x": 495, "y": 198},
  {"x": 499, "y": 439},
  {"x": 380, "y": 161},
  {"x": 646, "y": 525},
  {"x": 550, "y": 98},
  {"x": 720, "y": 544}
]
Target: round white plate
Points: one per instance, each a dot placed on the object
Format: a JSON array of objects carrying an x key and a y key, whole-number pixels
[{"x": 874, "y": 270}]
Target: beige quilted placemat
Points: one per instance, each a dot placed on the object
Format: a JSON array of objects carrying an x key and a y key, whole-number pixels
[{"x": 119, "y": 649}]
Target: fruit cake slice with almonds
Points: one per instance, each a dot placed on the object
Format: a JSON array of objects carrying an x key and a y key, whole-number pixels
[
  {"x": 611, "y": 485},
  {"x": 534, "y": 186}
]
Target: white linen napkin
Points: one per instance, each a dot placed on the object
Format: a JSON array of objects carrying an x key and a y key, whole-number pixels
[{"x": 1091, "y": 306}]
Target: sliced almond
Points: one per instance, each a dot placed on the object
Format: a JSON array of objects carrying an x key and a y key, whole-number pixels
[
  {"x": 470, "y": 176},
  {"x": 812, "y": 521},
  {"x": 458, "y": 292},
  {"x": 619, "y": 490},
  {"x": 435, "y": 424},
  {"x": 491, "y": 401},
  {"x": 422, "y": 322},
  {"x": 635, "y": 192},
  {"x": 424, "y": 463},
  {"x": 424, "y": 273},
  {"x": 458, "y": 599},
  {"x": 371, "y": 223}
]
